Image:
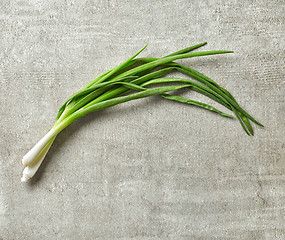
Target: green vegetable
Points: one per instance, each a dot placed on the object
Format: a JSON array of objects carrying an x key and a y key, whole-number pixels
[{"x": 127, "y": 82}]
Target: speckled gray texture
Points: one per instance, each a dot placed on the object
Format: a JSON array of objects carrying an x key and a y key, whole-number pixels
[{"x": 152, "y": 168}]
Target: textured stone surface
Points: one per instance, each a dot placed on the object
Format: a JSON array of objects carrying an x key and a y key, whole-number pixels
[{"x": 148, "y": 169}]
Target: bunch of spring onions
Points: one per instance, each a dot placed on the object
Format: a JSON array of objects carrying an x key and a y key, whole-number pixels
[{"x": 129, "y": 81}]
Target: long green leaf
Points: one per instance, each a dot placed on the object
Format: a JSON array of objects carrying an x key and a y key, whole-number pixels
[
  {"x": 116, "y": 69},
  {"x": 188, "y": 49},
  {"x": 195, "y": 103},
  {"x": 195, "y": 86},
  {"x": 114, "y": 101},
  {"x": 165, "y": 60}
]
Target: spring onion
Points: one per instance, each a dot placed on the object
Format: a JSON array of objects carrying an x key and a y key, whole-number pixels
[{"x": 128, "y": 81}]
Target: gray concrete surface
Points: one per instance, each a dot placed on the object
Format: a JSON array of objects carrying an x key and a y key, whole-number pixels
[{"x": 149, "y": 169}]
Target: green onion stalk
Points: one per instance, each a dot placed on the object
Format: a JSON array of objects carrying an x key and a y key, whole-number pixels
[{"x": 134, "y": 79}]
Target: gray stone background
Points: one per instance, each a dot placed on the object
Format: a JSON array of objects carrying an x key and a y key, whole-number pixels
[{"x": 151, "y": 168}]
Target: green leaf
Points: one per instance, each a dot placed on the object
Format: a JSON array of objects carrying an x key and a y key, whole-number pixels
[
  {"x": 195, "y": 103},
  {"x": 115, "y": 69},
  {"x": 117, "y": 100},
  {"x": 188, "y": 49}
]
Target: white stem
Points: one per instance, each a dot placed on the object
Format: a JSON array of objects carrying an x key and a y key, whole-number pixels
[
  {"x": 30, "y": 157},
  {"x": 33, "y": 159},
  {"x": 30, "y": 171}
]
